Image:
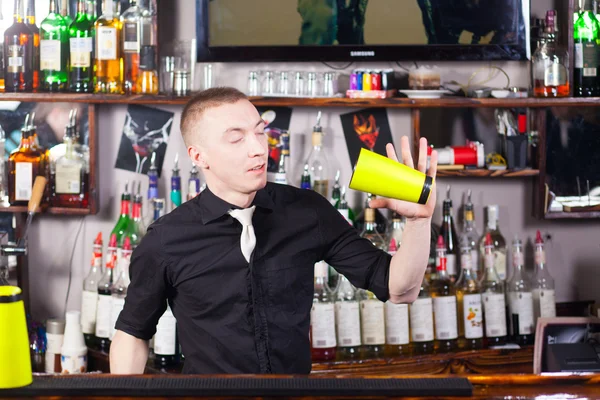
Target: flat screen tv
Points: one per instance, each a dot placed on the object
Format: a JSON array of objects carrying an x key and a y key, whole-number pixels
[{"x": 362, "y": 30}]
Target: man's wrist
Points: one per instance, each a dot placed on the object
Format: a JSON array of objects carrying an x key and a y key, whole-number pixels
[{"x": 418, "y": 222}]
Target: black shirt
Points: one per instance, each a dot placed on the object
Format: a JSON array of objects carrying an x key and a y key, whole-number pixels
[{"x": 237, "y": 317}]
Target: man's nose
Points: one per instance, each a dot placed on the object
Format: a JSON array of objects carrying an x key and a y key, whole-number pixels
[{"x": 257, "y": 145}]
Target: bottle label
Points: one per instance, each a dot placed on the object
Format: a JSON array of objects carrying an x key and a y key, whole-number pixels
[
  {"x": 347, "y": 319},
  {"x": 103, "y": 316},
  {"x": 322, "y": 322},
  {"x": 106, "y": 41},
  {"x": 23, "y": 180},
  {"x": 539, "y": 257},
  {"x": 165, "y": 339},
  {"x": 421, "y": 320},
  {"x": 451, "y": 264},
  {"x": 372, "y": 322},
  {"x": 473, "y": 316},
  {"x": 116, "y": 307},
  {"x": 494, "y": 309},
  {"x": 81, "y": 52},
  {"x": 54, "y": 343},
  {"x": 396, "y": 323},
  {"x": 73, "y": 364},
  {"x": 521, "y": 304},
  {"x": 89, "y": 308},
  {"x": 589, "y": 58},
  {"x": 578, "y": 55},
  {"x": 50, "y": 55},
  {"x": 500, "y": 264},
  {"x": 16, "y": 54},
  {"x": 281, "y": 178},
  {"x": 544, "y": 303},
  {"x": 466, "y": 261},
  {"x": 130, "y": 37},
  {"x": 555, "y": 74},
  {"x": 68, "y": 179},
  {"x": 518, "y": 258},
  {"x": 444, "y": 312}
]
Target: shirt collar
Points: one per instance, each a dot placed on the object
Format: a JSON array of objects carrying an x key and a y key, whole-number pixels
[{"x": 213, "y": 207}]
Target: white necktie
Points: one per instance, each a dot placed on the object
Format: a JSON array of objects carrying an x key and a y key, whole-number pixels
[{"x": 248, "y": 239}]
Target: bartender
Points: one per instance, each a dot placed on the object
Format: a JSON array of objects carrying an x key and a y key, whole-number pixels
[{"x": 236, "y": 263}]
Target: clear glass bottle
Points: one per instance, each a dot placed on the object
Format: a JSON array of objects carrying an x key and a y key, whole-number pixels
[
  {"x": 193, "y": 183},
  {"x": 281, "y": 175},
  {"x": 448, "y": 232},
  {"x": 421, "y": 321},
  {"x": 550, "y": 63},
  {"x": 468, "y": 296},
  {"x": 81, "y": 46},
  {"x": 30, "y": 22},
  {"x": 492, "y": 293},
  {"x": 54, "y": 51},
  {"x": 103, "y": 313},
  {"x": 397, "y": 330},
  {"x": 119, "y": 288},
  {"x": 322, "y": 317},
  {"x": 370, "y": 230},
  {"x": 344, "y": 209},
  {"x": 372, "y": 324},
  {"x": 89, "y": 297},
  {"x": 586, "y": 32},
  {"x": 69, "y": 174},
  {"x": 347, "y": 321},
  {"x": 396, "y": 229},
  {"x": 497, "y": 240},
  {"x": 318, "y": 162},
  {"x": 471, "y": 236},
  {"x": 18, "y": 53},
  {"x": 108, "y": 60},
  {"x": 131, "y": 20},
  {"x": 520, "y": 299},
  {"x": 166, "y": 343},
  {"x": 380, "y": 220},
  {"x": 444, "y": 303},
  {"x": 544, "y": 298}
]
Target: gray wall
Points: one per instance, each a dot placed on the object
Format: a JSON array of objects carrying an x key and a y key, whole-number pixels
[{"x": 573, "y": 250}]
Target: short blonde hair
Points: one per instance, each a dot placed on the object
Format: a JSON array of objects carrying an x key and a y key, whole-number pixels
[{"x": 203, "y": 101}]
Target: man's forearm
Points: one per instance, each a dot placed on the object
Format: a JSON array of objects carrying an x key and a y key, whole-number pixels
[
  {"x": 409, "y": 263},
  {"x": 128, "y": 354}
]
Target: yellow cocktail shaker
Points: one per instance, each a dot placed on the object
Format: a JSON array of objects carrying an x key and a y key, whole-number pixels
[{"x": 15, "y": 364}]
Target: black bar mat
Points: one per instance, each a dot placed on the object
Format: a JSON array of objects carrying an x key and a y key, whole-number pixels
[{"x": 135, "y": 386}]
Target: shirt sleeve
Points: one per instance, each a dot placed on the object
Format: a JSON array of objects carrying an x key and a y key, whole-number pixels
[
  {"x": 146, "y": 298},
  {"x": 365, "y": 266}
]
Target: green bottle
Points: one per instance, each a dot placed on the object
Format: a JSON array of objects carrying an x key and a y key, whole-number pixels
[
  {"x": 122, "y": 226},
  {"x": 81, "y": 34},
  {"x": 585, "y": 36},
  {"x": 54, "y": 51}
]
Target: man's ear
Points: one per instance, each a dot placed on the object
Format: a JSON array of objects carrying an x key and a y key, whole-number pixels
[{"x": 197, "y": 154}]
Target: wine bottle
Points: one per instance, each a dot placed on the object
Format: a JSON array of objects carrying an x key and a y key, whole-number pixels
[
  {"x": 542, "y": 283},
  {"x": 421, "y": 321},
  {"x": 471, "y": 236},
  {"x": 492, "y": 293},
  {"x": 448, "y": 232},
  {"x": 119, "y": 288},
  {"x": 166, "y": 341},
  {"x": 322, "y": 317},
  {"x": 444, "y": 303},
  {"x": 520, "y": 299},
  {"x": 104, "y": 296},
  {"x": 497, "y": 240},
  {"x": 468, "y": 296},
  {"x": 89, "y": 297},
  {"x": 347, "y": 321}
]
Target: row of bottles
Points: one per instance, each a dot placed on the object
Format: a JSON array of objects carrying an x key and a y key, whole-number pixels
[
  {"x": 67, "y": 169},
  {"x": 114, "y": 53}
]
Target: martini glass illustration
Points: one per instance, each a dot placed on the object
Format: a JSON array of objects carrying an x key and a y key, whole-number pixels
[{"x": 145, "y": 144}]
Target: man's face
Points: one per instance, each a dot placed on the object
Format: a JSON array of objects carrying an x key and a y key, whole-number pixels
[{"x": 233, "y": 145}]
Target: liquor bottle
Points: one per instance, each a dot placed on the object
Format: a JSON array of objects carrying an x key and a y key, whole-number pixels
[
  {"x": 396, "y": 229},
  {"x": 131, "y": 21},
  {"x": 542, "y": 283},
  {"x": 380, "y": 219},
  {"x": 468, "y": 296},
  {"x": 448, "y": 232},
  {"x": 322, "y": 318},
  {"x": 152, "y": 179},
  {"x": 2, "y": 66},
  {"x": 81, "y": 68},
  {"x": 585, "y": 35},
  {"x": 520, "y": 299},
  {"x": 166, "y": 343},
  {"x": 24, "y": 164},
  {"x": 347, "y": 321},
  {"x": 30, "y": 22},
  {"x": 54, "y": 51},
  {"x": 550, "y": 63},
  {"x": 471, "y": 236},
  {"x": 103, "y": 314},
  {"x": 108, "y": 62},
  {"x": 68, "y": 174},
  {"x": 317, "y": 161},
  {"x": 123, "y": 222},
  {"x": 336, "y": 191},
  {"x": 65, "y": 12},
  {"x": 305, "y": 181},
  {"x": 421, "y": 321},
  {"x": 344, "y": 209},
  {"x": 370, "y": 230},
  {"x": 492, "y": 293},
  {"x": 397, "y": 332},
  {"x": 497, "y": 240},
  {"x": 444, "y": 303},
  {"x": 147, "y": 81},
  {"x": 158, "y": 208},
  {"x": 135, "y": 230},
  {"x": 193, "y": 183},
  {"x": 372, "y": 323},
  {"x": 18, "y": 54},
  {"x": 119, "y": 288},
  {"x": 281, "y": 175},
  {"x": 89, "y": 297},
  {"x": 175, "y": 185}
]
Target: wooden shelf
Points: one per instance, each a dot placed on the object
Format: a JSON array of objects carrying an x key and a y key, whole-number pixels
[
  {"x": 486, "y": 173},
  {"x": 49, "y": 210},
  {"x": 396, "y": 102},
  {"x": 572, "y": 215}
]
